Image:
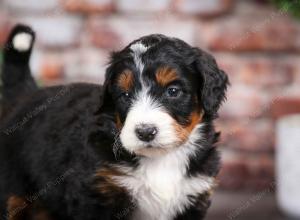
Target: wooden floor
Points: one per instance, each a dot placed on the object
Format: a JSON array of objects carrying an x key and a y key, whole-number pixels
[{"x": 244, "y": 206}]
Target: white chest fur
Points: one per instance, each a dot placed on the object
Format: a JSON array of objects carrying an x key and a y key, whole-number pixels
[{"x": 160, "y": 185}]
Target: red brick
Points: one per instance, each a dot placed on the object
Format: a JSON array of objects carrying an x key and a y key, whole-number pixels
[
  {"x": 51, "y": 69},
  {"x": 297, "y": 77},
  {"x": 206, "y": 8},
  {"x": 268, "y": 73},
  {"x": 66, "y": 66},
  {"x": 250, "y": 9},
  {"x": 285, "y": 106},
  {"x": 243, "y": 171},
  {"x": 136, "y": 6},
  {"x": 244, "y": 102},
  {"x": 89, "y": 6},
  {"x": 47, "y": 67},
  {"x": 5, "y": 27},
  {"x": 233, "y": 175},
  {"x": 86, "y": 65},
  {"x": 248, "y": 135},
  {"x": 32, "y": 5},
  {"x": 59, "y": 31},
  {"x": 124, "y": 30},
  {"x": 296, "y": 62},
  {"x": 251, "y": 34},
  {"x": 104, "y": 36}
]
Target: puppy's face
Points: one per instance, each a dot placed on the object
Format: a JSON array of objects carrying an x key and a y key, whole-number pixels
[{"x": 157, "y": 91}]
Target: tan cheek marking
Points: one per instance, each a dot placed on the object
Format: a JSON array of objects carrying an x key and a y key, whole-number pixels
[
  {"x": 125, "y": 80},
  {"x": 118, "y": 120},
  {"x": 184, "y": 132},
  {"x": 107, "y": 185},
  {"x": 166, "y": 75}
]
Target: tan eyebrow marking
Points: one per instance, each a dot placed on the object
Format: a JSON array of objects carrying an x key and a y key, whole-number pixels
[
  {"x": 125, "y": 80},
  {"x": 165, "y": 75}
]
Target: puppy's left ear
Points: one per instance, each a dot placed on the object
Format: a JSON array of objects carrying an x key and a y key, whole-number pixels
[{"x": 214, "y": 82}]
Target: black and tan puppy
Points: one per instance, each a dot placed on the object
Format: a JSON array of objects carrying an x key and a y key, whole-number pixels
[{"x": 141, "y": 147}]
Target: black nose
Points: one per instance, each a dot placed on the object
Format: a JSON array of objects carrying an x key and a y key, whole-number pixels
[{"x": 146, "y": 132}]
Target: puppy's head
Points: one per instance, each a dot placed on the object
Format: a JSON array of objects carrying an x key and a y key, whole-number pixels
[{"x": 161, "y": 89}]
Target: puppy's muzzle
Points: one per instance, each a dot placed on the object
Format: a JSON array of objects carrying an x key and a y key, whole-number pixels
[{"x": 146, "y": 132}]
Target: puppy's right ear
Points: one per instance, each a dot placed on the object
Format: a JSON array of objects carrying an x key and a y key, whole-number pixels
[
  {"x": 105, "y": 129},
  {"x": 107, "y": 86},
  {"x": 107, "y": 96}
]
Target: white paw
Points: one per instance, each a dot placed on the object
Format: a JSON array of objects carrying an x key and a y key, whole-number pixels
[{"x": 22, "y": 42}]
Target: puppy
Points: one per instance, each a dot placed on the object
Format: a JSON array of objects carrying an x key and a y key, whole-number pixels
[{"x": 140, "y": 147}]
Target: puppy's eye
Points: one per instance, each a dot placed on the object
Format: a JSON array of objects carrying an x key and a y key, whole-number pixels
[
  {"x": 125, "y": 95},
  {"x": 173, "y": 92}
]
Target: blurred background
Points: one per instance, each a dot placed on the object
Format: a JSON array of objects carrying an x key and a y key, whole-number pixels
[{"x": 257, "y": 42}]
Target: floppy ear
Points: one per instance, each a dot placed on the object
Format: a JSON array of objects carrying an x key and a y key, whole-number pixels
[
  {"x": 107, "y": 87},
  {"x": 214, "y": 83}
]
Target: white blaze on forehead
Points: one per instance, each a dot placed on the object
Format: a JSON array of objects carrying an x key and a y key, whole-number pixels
[
  {"x": 138, "y": 49},
  {"x": 145, "y": 110},
  {"x": 22, "y": 42}
]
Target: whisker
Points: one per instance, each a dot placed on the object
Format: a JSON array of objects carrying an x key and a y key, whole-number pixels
[{"x": 117, "y": 145}]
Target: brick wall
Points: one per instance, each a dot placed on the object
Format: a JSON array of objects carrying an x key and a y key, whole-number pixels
[{"x": 256, "y": 44}]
